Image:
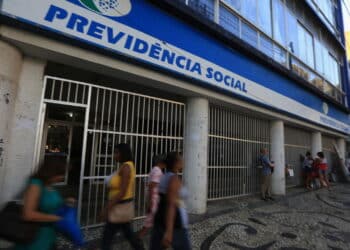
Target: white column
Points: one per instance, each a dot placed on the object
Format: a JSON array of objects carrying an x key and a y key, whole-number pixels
[
  {"x": 196, "y": 154},
  {"x": 316, "y": 143},
  {"x": 277, "y": 155},
  {"x": 23, "y": 127},
  {"x": 342, "y": 148},
  {"x": 10, "y": 68}
]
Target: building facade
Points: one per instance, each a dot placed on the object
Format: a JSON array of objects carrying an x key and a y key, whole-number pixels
[{"x": 215, "y": 79}]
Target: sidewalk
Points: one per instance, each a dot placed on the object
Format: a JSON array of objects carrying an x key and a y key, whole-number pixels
[{"x": 301, "y": 220}]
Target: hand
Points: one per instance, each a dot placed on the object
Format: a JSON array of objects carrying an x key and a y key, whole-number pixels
[
  {"x": 167, "y": 239},
  {"x": 71, "y": 201}
]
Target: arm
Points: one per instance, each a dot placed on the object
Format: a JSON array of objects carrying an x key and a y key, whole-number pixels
[
  {"x": 30, "y": 209},
  {"x": 125, "y": 177},
  {"x": 172, "y": 196},
  {"x": 151, "y": 187}
]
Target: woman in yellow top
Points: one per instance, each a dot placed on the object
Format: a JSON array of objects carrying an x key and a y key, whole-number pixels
[{"x": 121, "y": 191}]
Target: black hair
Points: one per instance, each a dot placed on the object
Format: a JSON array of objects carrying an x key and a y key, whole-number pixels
[
  {"x": 125, "y": 152},
  {"x": 320, "y": 154},
  {"x": 308, "y": 153},
  {"x": 54, "y": 166},
  {"x": 157, "y": 159},
  {"x": 171, "y": 159}
]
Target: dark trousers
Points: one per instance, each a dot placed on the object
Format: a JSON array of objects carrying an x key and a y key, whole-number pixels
[
  {"x": 181, "y": 239},
  {"x": 112, "y": 228}
]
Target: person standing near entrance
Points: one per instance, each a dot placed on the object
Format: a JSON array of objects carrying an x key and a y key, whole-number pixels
[
  {"x": 153, "y": 196},
  {"x": 267, "y": 170},
  {"x": 120, "y": 208}
]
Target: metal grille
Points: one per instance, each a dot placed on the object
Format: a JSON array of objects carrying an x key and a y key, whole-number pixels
[
  {"x": 329, "y": 151},
  {"x": 297, "y": 143},
  {"x": 150, "y": 125},
  {"x": 235, "y": 141}
]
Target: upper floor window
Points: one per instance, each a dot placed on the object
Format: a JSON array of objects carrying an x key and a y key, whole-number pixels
[
  {"x": 327, "y": 8},
  {"x": 279, "y": 24},
  {"x": 306, "y": 46}
]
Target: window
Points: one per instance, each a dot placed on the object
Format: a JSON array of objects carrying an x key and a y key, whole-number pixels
[
  {"x": 266, "y": 45},
  {"x": 229, "y": 20},
  {"x": 327, "y": 9},
  {"x": 334, "y": 71},
  {"x": 279, "y": 29},
  {"x": 292, "y": 38},
  {"x": 248, "y": 10},
  {"x": 205, "y": 7},
  {"x": 236, "y": 4},
  {"x": 264, "y": 16},
  {"x": 319, "y": 57},
  {"x": 306, "y": 49},
  {"x": 249, "y": 34}
]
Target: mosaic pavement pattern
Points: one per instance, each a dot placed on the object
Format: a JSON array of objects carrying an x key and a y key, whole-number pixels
[{"x": 302, "y": 220}]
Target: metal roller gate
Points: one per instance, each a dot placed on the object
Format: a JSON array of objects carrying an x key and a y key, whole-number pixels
[
  {"x": 150, "y": 125},
  {"x": 235, "y": 141},
  {"x": 297, "y": 143}
]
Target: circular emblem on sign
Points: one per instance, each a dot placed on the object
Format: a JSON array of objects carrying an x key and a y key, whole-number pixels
[
  {"x": 113, "y": 8},
  {"x": 325, "y": 108}
]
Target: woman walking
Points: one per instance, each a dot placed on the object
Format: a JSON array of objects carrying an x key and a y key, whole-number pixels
[
  {"x": 120, "y": 208},
  {"x": 171, "y": 220},
  {"x": 41, "y": 201},
  {"x": 153, "y": 192},
  {"x": 323, "y": 167},
  {"x": 307, "y": 167}
]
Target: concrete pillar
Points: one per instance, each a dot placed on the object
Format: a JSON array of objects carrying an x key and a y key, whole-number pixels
[
  {"x": 196, "y": 154},
  {"x": 10, "y": 68},
  {"x": 22, "y": 132},
  {"x": 277, "y": 155},
  {"x": 316, "y": 143},
  {"x": 342, "y": 148}
]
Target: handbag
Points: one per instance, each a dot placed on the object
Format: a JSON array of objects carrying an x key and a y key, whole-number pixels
[
  {"x": 13, "y": 228},
  {"x": 122, "y": 212}
]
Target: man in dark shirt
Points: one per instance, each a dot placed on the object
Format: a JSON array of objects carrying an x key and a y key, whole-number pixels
[{"x": 267, "y": 167}]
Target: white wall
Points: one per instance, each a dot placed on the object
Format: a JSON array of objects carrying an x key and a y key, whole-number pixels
[{"x": 23, "y": 125}]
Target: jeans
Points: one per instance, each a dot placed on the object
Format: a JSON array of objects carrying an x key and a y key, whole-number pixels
[
  {"x": 181, "y": 239},
  {"x": 266, "y": 186},
  {"x": 112, "y": 228}
]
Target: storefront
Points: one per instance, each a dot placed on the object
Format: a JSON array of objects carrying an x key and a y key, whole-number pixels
[{"x": 81, "y": 79}]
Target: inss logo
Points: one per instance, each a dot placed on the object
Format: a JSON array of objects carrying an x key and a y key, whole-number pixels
[{"x": 113, "y": 8}]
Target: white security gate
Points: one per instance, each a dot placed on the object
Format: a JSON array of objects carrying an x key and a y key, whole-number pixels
[
  {"x": 328, "y": 149},
  {"x": 150, "y": 125},
  {"x": 296, "y": 143},
  {"x": 235, "y": 141}
]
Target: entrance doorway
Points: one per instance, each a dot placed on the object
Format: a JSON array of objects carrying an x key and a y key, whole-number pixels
[{"x": 63, "y": 141}]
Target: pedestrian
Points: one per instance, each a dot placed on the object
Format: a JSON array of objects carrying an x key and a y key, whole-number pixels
[
  {"x": 323, "y": 167},
  {"x": 41, "y": 201},
  {"x": 120, "y": 207},
  {"x": 267, "y": 170},
  {"x": 307, "y": 167},
  {"x": 153, "y": 192},
  {"x": 171, "y": 219}
]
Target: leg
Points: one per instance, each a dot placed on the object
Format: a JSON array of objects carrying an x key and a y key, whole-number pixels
[
  {"x": 263, "y": 186},
  {"x": 156, "y": 238},
  {"x": 181, "y": 240},
  {"x": 268, "y": 188},
  {"x": 108, "y": 234},
  {"x": 135, "y": 242}
]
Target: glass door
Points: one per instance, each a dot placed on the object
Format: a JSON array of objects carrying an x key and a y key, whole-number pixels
[{"x": 58, "y": 144}]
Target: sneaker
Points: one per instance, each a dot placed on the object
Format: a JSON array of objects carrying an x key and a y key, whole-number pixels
[
  {"x": 264, "y": 199},
  {"x": 270, "y": 198}
]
